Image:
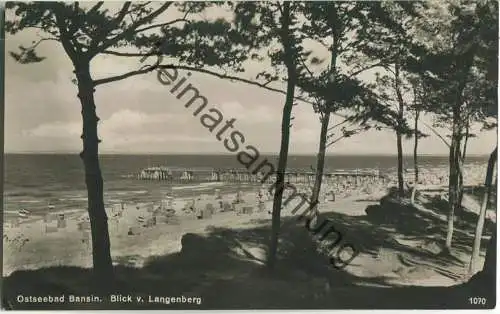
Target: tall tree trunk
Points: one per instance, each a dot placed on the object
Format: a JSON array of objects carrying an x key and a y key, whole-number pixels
[
  {"x": 2, "y": 114},
  {"x": 415, "y": 157},
  {"x": 455, "y": 182},
  {"x": 415, "y": 145},
  {"x": 320, "y": 164},
  {"x": 455, "y": 187},
  {"x": 488, "y": 182},
  {"x": 325, "y": 120},
  {"x": 285, "y": 136},
  {"x": 399, "y": 128},
  {"x": 103, "y": 266},
  {"x": 464, "y": 151},
  {"x": 401, "y": 188}
]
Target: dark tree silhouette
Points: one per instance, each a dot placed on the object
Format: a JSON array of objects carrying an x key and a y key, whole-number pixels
[
  {"x": 488, "y": 184},
  {"x": 389, "y": 43},
  {"x": 454, "y": 74},
  {"x": 86, "y": 31},
  {"x": 333, "y": 25},
  {"x": 417, "y": 107},
  {"x": 486, "y": 95},
  {"x": 2, "y": 96},
  {"x": 289, "y": 57}
]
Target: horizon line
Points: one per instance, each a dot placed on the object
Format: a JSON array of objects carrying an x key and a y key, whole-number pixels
[{"x": 224, "y": 154}]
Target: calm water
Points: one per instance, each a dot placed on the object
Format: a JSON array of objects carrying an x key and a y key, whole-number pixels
[{"x": 34, "y": 180}]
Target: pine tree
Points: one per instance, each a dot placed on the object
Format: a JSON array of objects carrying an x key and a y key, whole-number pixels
[{"x": 86, "y": 31}]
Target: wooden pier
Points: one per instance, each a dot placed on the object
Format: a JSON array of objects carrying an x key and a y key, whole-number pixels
[{"x": 187, "y": 175}]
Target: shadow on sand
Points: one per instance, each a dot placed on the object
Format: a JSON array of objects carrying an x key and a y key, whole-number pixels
[{"x": 224, "y": 268}]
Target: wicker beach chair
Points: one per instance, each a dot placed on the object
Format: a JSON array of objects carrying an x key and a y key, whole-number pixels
[
  {"x": 227, "y": 207},
  {"x": 61, "y": 221},
  {"x": 248, "y": 210}
]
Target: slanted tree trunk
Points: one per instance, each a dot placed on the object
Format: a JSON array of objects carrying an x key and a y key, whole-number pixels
[
  {"x": 415, "y": 156},
  {"x": 103, "y": 266},
  {"x": 320, "y": 165},
  {"x": 285, "y": 136},
  {"x": 491, "y": 256},
  {"x": 466, "y": 139},
  {"x": 455, "y": 182},
  {"x": 488, "y": 182},
  {"x": 483, "y": 282}
]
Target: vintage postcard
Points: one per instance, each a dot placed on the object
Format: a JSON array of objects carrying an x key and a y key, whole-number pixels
[{"x": 249, "y": 155}]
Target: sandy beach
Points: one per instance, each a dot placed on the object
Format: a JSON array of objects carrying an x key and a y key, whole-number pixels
[{"x": 37, "y": 243}]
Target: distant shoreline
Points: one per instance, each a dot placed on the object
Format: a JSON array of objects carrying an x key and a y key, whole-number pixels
[{"x": 227, "y": 154}]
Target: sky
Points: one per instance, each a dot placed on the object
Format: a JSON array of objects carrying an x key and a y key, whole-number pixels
[{"x": 140, "y": 115}]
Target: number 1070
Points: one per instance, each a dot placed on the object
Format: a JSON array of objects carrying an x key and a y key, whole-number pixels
[{"x": 477, "y": 301}]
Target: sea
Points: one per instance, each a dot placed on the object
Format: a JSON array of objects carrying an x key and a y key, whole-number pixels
[{"x": 56, "y": 182}]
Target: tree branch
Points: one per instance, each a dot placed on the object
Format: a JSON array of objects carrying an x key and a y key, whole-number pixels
[
  {"x": 115, "y": 78},
  {"x": 306, "y": 67},
  {"x": 231, "y": 78},
  {"x": 188, "y": 68},
  {"x": 338, "y": 124},
  {"x": 436, "y": 132},
  {"x": 113, "y": 41},
  {"x": 65, "y": 36},
  {"x": 379, "y": 64},
  {"x": 183, "y": 19},
  {"x": 442, "y": 138},
  {"x": 130, "y": 54},
  {"x": 318, "y": 101},
  {"x": 161, "y": 25},
  {"x": 107, "y": 29},
  {"x": 354, "y": 132},
  {"x": 44, "y": 39},
  {"x": 123, "y": 12},
  {"x": 95, "y": 8},
  {"x": 279, "y": 8}
]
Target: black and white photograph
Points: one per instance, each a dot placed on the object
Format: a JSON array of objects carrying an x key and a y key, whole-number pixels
[{"x": 249, "y": 155}]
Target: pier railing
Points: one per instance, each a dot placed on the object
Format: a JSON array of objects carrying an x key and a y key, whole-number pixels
[{"x": 180, "y": 175}]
